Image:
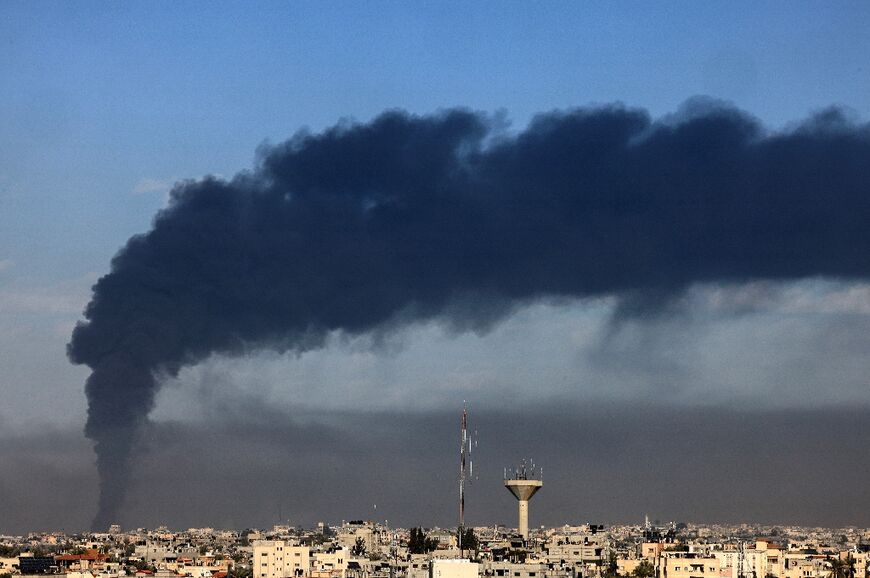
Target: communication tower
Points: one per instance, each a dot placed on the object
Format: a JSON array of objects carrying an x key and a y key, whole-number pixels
[{"x": 466, "y": 468}]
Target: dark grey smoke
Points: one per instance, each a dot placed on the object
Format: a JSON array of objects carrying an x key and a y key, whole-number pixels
[{"x": 408, "y": 218}]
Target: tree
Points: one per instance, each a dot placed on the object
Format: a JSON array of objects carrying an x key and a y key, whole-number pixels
[
  {"x": 839, "y": 568},
  {"x": 610, "y": 571},
  {"x": 416, "y": 542},
  {"x": 359, "y": 547},
  {"x": 419, "y": 543},
  {"x": 644, "y": 570},
  {"x": 8, "y": 551},
  {"x": 467, "y": 539},
  {"x": 850, "y": 565},
  {"x": 142, "y": 565}
]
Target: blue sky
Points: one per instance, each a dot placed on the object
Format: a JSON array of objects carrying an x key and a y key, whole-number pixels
[
  {"x": 99, "y": 98},
  {"x": 104, "y": 105}
]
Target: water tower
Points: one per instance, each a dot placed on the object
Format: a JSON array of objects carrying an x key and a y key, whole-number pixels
[{"x": 523, "y": 482}]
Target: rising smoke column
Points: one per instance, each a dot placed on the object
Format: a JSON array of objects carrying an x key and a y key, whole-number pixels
[{"x": 446, "y": 216}]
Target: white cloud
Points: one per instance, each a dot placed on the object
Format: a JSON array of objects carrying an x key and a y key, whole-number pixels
[
  {"x": 800, "y": 297},
  {"x": 828, "y": 297},
  {"x": 758, "y": 345}
]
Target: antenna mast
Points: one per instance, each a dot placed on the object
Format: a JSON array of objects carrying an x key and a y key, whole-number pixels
[{"x": 466, "y": 469}]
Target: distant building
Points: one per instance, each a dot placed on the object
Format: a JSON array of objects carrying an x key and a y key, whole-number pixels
[
  {"x": 575, "y": 546},
  {"x": 505, "y": 569},
  {"x": 457, "y": 568},
  {"x": 36, "y": 564},
  {"x": 687, "y": 565},
  {"x": 8, "y": 565},
  {"x": 350, "y": 532},
  {"x": 332, "y": 564}
]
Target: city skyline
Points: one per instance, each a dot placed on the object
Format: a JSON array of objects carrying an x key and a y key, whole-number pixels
[{"x": 697, "y": 397}]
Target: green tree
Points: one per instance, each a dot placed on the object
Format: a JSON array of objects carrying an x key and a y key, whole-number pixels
[
  {"x": 359, "y": 547},
  {"x": 467, "y": 539},
  {"x": 142, "y": 565},
  {"x": 839, "y": 568},
  {"x": 416, "y": 541},
  {"x": 610, "y": 570},
  {"x": 8, "y": 551},
  {"x": 419, "y": 543},
  {"x": 644, "y": 570}
]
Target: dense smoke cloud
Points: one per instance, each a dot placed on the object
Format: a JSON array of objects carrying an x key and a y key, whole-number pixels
[{"x": 448, "y": 216}]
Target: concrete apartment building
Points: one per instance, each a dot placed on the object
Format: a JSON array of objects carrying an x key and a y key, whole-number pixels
[
  {"x": 161, "y": 552},
  {"x": 351, "y": 531},
  {"x": 453, "y": 569},
  {"x": 330, "y": 564},
  {"x": 652, "y": 550},
  {"x": 575, "y": 546},
  {"x": 688, "y": 565},
  {"x": 418, "y": 565},
  {"x": 860, "y": 562},
  {"x": 764, "y": 559},
  {"x": 516, "y": 570},
  {"x": 799, "y": 566},
  {"x": 8, "y": 565},
  {"x": 278, "y": 559}
]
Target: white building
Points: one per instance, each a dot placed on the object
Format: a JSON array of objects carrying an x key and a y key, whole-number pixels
[
  {"x": 278, "y": 559},
  {"x": 453, "y": 568},
  {"x": 332, "y": 564}
]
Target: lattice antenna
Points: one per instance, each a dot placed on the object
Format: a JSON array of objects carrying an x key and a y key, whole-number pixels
[{"x": 466, "y": 466}]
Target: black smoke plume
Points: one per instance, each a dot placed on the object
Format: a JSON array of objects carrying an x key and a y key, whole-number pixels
[{"x": 450, "y": 216}]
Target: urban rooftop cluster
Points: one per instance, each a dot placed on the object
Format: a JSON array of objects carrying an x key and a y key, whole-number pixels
[{"x": 366, "y": 549}]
